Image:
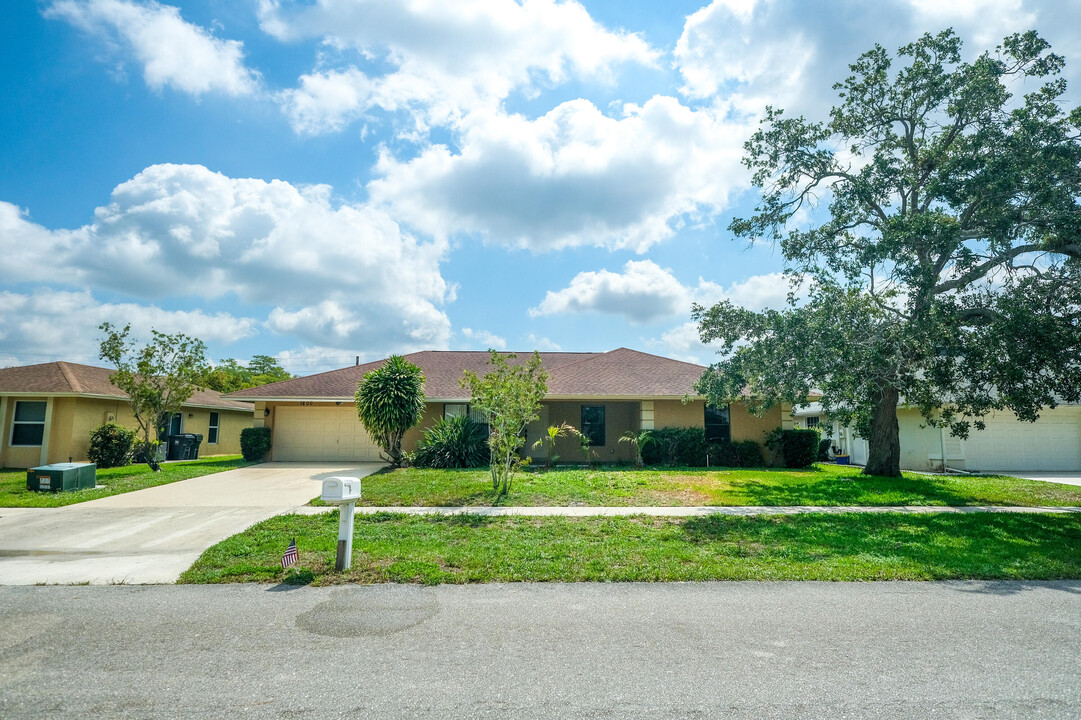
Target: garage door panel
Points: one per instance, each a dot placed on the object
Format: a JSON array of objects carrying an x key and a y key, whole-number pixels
[
  {"x": 321, "y": 433},
  {"x": 1052, "y": 443}
]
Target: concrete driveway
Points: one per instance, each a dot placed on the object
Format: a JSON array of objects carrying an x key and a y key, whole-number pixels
[
  {"x": 1067, "y": 478},
  {"x": 152, "y": 535}
]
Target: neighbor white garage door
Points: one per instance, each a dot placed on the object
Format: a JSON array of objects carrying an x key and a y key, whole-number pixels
[
  {"x": 1051, "y": 443},
  {"x": 320, "y": 433}
]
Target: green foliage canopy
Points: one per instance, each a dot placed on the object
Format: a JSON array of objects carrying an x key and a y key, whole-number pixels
[
  {"x": 229, "y": 375},
  {"x": 158, "y": 377},
  {"x": 948, "y": 273},
  {"x": 510, "y": 396},
  {"x": 390, "y": 401}
]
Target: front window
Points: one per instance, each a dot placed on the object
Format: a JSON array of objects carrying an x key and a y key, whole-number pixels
[
  {"x": 812, "y": 422},
  {"x": 28, "y": 426},
  {"x": 452, "y": 410},
  {"x": 718, "y": 424},
  {"x": 212, "y": 431},
  {"x": 593, "y": 424}
]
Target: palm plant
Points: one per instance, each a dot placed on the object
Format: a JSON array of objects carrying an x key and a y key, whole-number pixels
[
  {"x": 548, "y": 441},
  {"x": 637, "y": 440}
]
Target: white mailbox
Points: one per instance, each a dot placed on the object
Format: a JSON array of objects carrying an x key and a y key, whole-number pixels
[{"x": 341, "y": 490}]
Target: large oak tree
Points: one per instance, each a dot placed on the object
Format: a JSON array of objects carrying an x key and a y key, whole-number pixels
[{"x": 944, "y": 270}]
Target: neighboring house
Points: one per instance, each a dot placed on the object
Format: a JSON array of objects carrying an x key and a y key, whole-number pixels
[
  {"x": 1052, "y": 443},
  {"x": 601, "y": 394},
  {"x": 48, "y": 411}
]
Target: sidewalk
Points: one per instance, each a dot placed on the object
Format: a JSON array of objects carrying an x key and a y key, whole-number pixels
[{"x": 579, "y": 511}]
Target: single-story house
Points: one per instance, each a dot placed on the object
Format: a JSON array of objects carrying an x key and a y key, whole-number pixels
[
  {"x": 48, "y": 411},
  {"x": 601, "y": 394},
  {"x": 1052, "y": 443}
]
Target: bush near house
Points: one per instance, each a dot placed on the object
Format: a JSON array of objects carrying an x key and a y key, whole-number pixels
[
  {"x": 688, "y": 447},
  {"x": 455, "y": 442},
  {"x": 798, "y": 448},
  {"x": 254, "y": 443},
  {"x": 111, "y": 445}
]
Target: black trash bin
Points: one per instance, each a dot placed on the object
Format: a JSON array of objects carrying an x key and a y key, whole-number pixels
[
  {"x": 196, "y": 441},
  {"x": 180, "y": 446}
]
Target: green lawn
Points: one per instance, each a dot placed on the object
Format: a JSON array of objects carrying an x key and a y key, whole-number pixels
[
  {"x": 13, "y": 492},
  {"x": 821, "y": 485},
  {"x": 469, "y": 549}
]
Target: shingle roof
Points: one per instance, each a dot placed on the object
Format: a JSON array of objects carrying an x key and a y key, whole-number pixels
[
  {"x": 618, "y": 373},
  {"x": 64, "y": 378}
]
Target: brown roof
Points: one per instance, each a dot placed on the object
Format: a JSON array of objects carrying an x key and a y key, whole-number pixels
[
  {"x": 618, "y": 373},
  {"x": 64, "y": 378}
]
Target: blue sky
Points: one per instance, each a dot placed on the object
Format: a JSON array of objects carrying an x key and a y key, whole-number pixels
[{"x": 321, "y": 179}]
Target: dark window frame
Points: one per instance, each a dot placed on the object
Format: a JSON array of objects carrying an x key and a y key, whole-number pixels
[
  {"x": 717, "y": 430},
  {"x": 213, "y": 429},
  {"x": 37, "y": 438},
  {"x": 593, "y": 429}
]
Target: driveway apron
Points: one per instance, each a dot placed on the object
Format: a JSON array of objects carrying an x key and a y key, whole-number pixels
[{"x": 153, "y": 535}]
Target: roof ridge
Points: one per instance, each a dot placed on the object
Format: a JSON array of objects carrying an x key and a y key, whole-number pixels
[
  {"x": 73, "y": 383},
  {"x": 661, "y": 357}
]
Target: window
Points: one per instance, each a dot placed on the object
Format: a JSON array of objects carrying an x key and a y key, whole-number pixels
[
  {"x": 28, "y": 425},
  {"x": 812, "y": 422},
  {"x": 451, "y": 410},
  {"x": 212, "y": 431},
  {"x": 593, "y": 424},
  {"x": 718, "y": 424}
]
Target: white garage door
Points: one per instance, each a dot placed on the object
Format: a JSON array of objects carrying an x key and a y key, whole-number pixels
[
  {"x": 320, "y": 433},
  {"x": 1051, "y": 443}
]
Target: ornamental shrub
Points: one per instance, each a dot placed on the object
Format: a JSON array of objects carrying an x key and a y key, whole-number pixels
[
  {"x": 676, "y": 446},
  {"x": 111, "y": 445},
  {"x": 455, "y": 442},
  {"x": 799, "y": 448},
  {"x": 254, "y": 443},
  {"x": 743, "y": 454},
  {"x": 824, "y": 450}
]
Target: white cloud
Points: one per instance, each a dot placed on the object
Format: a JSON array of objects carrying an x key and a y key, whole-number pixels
[
  {"x": 542, "y": 343},
  {"x": 744, "y": 55},
  {"x": 485, "y": 338},
  {"x": 49, "y": 324},
  {"x": 571, "y": 177},
  {"x": 446, "y": 59},
  {"x": 172, "y": 52},
  {"x": 342, "y": 276},
  {"x": 643, "y": 292}
]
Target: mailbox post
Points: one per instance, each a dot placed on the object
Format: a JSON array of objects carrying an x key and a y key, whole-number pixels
[{"x": 343, "y": 492}]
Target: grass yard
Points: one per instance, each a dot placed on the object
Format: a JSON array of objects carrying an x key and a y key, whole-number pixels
[
  {"x": 472, "y": 549},
  {"x": 13, "y": 492},
  {"x": 821, "y": 485}
]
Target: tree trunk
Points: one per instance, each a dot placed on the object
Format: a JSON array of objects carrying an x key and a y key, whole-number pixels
[{"x": 884, "y": 444}]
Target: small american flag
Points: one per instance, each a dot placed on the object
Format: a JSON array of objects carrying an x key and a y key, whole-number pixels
[{"x": 290, "y": 556}]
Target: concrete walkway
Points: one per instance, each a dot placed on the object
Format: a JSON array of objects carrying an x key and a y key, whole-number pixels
[
  {"x": 152, "y": 535},
  {"x": 1066, "y": 478},
  {"x": 696, "y": 511}
]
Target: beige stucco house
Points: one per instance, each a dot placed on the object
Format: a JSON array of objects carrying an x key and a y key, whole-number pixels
[
  {"x": 48, "y": 411},
  {"x": 602, "y": 394}
]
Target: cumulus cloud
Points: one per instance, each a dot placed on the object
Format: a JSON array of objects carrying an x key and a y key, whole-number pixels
[
  {"x": 643, "y": 292},
  {"x": 35, "y": 326},
  {"x": 571, "y": 177},
  {"x": 337, "y": 275},
  {"x": 445, "y": 59},
  {"x": 485, "y": 338},
  {"x": 745, "y": 54},
  {"x": 172, "y": 52}
]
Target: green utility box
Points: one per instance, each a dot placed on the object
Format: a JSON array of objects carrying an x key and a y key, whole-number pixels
[{"x": 59, "y": 477}]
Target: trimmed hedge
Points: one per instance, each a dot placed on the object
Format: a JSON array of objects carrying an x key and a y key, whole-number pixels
[
  {"x": 254, "y": 443},
  {"x": 111, "y": 445},
  {"x": 799, "y": 448},
  {"x": 455, "y": 442},
  {"x": 688, "y": 447}
]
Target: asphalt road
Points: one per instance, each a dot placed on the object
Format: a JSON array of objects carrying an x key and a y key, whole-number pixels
[{"x": 680, "y": 650}]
